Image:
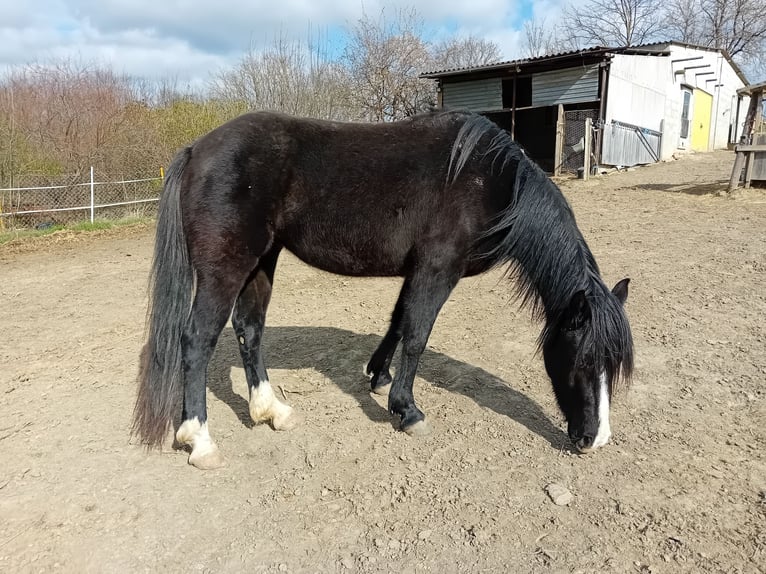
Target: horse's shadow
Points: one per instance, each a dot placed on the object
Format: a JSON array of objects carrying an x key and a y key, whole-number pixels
[{"x": 339, "y": 355}]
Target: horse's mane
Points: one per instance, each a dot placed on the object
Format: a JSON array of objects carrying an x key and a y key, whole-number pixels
[{"x": 537, "y": 236}]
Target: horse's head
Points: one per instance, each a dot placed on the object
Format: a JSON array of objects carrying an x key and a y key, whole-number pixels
[{"x": 585, "y": 351}]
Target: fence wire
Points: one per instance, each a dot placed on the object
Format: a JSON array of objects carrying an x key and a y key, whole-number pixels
[
  {"x": 573, "y": 150},
  {"x": 37, "y": 201}
]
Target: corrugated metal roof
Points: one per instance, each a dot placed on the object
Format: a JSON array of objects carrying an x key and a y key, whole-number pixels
[
  {"x": 510, "y": 63},
  {"x": 652, "y": 48}
]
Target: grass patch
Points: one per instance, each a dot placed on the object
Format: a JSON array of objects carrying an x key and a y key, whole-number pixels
[{"x": 82, "y": 227}]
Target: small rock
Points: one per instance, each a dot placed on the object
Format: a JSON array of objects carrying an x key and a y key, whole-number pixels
[
  {"x": 424, "y": 534},
  {"x": 558, "y": 494},
  {"x": 283, "y": 567},
  {"x": 379, "y": 542},
  {"x": 347, "y": 563}
]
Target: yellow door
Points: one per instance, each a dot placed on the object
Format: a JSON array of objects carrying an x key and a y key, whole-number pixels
[{"x": 703, "y": 106}]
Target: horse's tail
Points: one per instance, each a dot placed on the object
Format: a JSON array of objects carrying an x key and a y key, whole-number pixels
[{"x": 160, "y": 377}]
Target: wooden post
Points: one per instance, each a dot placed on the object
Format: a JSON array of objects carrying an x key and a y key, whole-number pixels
[
  {"x": 588, "y": 147},
  {"x": 756, "y": 128},
  {"x": 513, "y": 108},
  {"x": 747, "y": 132},
  {"x": 749, "y": 168},
  {"x": 559, "y": 147},
  {"x": 736, "y": 172}
]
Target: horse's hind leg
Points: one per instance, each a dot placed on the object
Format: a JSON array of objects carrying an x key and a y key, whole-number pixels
[
  {"x": 210, "y": 310},
  {"x": 379, "y": 366},
  {"x": 423, "y": 296},
  {"x": 248, "y": 320}
]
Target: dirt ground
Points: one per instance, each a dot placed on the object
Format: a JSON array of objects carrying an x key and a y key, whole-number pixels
[{"x": 682, "y": 487}]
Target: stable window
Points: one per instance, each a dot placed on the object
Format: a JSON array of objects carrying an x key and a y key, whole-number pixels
[{"x": 523, "y": 92}]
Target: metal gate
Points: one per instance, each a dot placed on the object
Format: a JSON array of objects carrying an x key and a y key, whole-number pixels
[{"x": 626, "y": 145}]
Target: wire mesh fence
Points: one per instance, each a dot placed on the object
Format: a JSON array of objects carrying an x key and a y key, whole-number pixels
[
  {"x": 37, "y": 201},
  {"x": 573, "y": 149}
]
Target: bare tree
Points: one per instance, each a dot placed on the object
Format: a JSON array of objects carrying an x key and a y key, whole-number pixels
[
  {"x": 467, "y": 52},
  {"x": 66, "y": 116},
  {"x": 537, "y": 38},
  {"x": 737, "y": 26},
  {"x": 612, "y": 22},
  {"x": 383, "y": 58},
  {"x": 682, "y": 21},
  {"x": 287, "y": 76},
  {"x": 541, "y": 38}
]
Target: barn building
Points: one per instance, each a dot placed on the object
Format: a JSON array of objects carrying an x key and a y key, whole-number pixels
[{"x": 640, "y": 104}]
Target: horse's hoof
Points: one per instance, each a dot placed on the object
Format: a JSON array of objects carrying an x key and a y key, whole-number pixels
[
  {"x": 285, "y": 419},
  {"x": 420, "y": 428},
  {"x": 208, "y": 460},
  {"x": 381, "y": 390}
]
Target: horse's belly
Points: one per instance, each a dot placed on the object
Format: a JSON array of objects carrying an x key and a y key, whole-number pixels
[{"x": 352, "y": 254}]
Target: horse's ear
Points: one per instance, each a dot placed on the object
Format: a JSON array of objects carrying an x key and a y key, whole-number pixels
[
  {"x": 579, "y": 310},
  {"x": 621, "y": 290}
]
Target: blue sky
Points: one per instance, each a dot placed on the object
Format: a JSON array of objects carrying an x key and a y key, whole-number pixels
[{"x": 188, "y": 40}]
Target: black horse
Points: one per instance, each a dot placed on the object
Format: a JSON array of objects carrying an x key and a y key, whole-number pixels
[{"x": 433, "y": 198}]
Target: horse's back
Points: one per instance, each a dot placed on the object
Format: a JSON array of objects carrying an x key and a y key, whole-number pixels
[{"x": 349, "y": 198}]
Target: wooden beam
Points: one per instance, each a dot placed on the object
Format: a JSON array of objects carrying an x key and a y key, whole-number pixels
[
  {"x": 513, "y": 109},
  {"x": 748, "y": 148},
  {"x": 758, "y": 117}
]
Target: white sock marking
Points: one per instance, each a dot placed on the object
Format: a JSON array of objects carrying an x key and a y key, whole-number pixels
[
  {"x": 196, "y": 435},
  {"x": 266, "y": 407}
]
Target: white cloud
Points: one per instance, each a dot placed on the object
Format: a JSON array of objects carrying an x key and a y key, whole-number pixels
[
  {"x": 190, "y": 39},
  {"x": 509, "y": 42},
  {"x": 548, "y": 10}
]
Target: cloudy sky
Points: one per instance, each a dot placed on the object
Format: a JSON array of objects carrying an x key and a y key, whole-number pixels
[{"x": 188, "y": 40}]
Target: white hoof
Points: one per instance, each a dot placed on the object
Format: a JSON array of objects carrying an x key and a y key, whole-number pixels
[
  {"x": 205, "y": 454},
  {"x": 265, "y": 407},
  {"x": 420, "y": 428},
  {"x": 209, "y": 460}
]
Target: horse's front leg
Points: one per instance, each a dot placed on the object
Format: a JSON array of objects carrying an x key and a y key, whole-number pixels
[{"x": 423, "y": 297}]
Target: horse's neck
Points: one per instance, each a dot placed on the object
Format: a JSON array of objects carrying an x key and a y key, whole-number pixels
[{"x": 546, "y": 245}]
